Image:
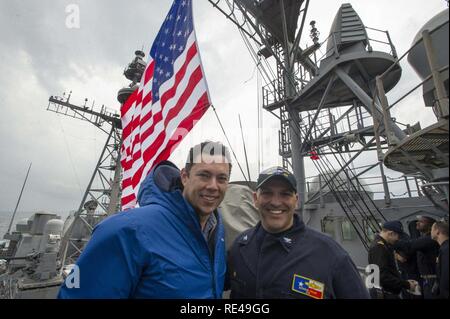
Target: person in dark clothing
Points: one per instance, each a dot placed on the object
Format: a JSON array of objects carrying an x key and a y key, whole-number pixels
[
  {"x": 407, "y": 265},
  {"x": 426, "y": 251},
  {"x": 439, "y": 233},
  {"x": 281, "y": 257},
  {"x": 381, "y": 253}
]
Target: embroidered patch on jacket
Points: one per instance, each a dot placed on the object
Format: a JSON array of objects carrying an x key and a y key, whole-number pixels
[{"x": 309, "y": 287}]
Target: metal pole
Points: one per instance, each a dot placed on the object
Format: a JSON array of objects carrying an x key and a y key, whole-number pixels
[
  {"x": 18, "y": 201},
  {"x": 391, "y": 139},
  {"x": 294, "y": 120},
  {"x": 418, "y": 187},
  {"x": 367, "y": 102},
  {"x": 387, "y": 195},
  {"x": 322, "y": 205},
  {"x": 319, "y": 108},
  {"x": 115, "y": 187},
  {"x": 407, "y": 186},
  {"x": 95, "y": 171},
  {"x": 380, "y": 155},
  {"x": 245, "y": 149}
]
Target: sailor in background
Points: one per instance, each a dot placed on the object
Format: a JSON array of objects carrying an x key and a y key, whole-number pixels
[
  {"x": 439, "y": 233},
  {"x": 281, "y": 257},
  {"x": 382, "y": 254},
  {"x": 426, "y": 251},
  {"x": 407, "y": 265}
]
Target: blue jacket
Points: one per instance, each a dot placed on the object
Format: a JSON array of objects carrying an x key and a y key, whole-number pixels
[
  {"x": 155, "y": 251},
  {"x": 300, "y": 263}
]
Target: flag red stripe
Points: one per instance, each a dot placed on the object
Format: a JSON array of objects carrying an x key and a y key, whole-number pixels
[
  {"x": 195, "y": 77},
  {"x": 128, "y": 103},
  {"x": 187, "y": 124},
  {"x": 148, "y": 75},
  {"x": 154, "y": 147},
  {"x": 126, "y": 182},
  {"x": 171, "y": 92},
  {"x": 128, "y": 199},
  {"x": 179, "y": 75}
]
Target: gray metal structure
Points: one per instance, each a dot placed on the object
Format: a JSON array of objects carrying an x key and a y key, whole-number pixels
[
  {"x": 102, "y": 195},
  {"x": 32, "y": 269},
  {"x": 334, "y": 107}
]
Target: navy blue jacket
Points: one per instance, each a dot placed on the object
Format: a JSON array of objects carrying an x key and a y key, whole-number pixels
[
  {"x": 426, "y": 249},
  {"x": 155, "y": 251},
  {"x": 382, "y": 254},
  {"x": 299, "y": 263},
  {"x": 442, "y": 271}
]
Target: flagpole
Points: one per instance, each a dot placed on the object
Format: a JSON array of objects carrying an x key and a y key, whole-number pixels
[
  {"x": 18, "y": 201},
  {"x": 245, "y": 149},
  {"x": 229, "y": 145}
]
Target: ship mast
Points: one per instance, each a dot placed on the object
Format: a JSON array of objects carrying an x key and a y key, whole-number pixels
[
  {"x": 102, "y": 195},
  {"x": 276, "y": 27},
  {"x": 328, "y": 106}
]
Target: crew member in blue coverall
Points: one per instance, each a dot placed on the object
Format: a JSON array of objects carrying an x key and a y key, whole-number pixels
[
  {"x": 172, "y": 246},
  {"x": 282, "y": 258}
]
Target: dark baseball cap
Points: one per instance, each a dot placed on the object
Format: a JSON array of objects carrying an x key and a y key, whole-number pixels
[
  {"x": 279, "y": 172},
  {"x": 394, "y": 225}
]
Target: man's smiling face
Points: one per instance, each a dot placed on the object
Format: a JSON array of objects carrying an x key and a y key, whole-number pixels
[
  {"x": 206, "y": 183},
  {"x": 276, "y": 202}
]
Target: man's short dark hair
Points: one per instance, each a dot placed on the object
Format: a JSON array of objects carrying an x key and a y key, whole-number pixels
[
  {"x": 206, "y": 148},
  {"x": 429, "y": 220},
  {"x": 442, "y": 226}
]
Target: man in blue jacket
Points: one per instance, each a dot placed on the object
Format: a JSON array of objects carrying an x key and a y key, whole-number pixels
[
  {"x": 172, "y": 246},
  {"x": 282, "y": 258}
]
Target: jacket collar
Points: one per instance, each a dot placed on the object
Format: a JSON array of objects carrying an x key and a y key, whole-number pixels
[
  {"x": 385, "y": 243},
  {"x": 287, "y": 239},
  {"x": 250, "y": 241}
]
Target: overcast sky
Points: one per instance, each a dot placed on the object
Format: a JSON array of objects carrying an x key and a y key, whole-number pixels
[{"x": 40, "y": 57}]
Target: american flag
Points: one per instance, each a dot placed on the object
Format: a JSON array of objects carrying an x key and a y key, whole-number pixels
[{"x": 172, "y": 97}]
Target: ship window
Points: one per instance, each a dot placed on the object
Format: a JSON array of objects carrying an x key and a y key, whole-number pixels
[
  {"x": 328, "y": 227},
  {"x": 348, "y": 231},
  {"x": 370, "y": 227}
]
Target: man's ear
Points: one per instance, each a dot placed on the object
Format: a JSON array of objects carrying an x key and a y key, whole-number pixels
[
  {"x": 297, "y": 205},
  {"x": 184, "y": 176},
  {"x": 255, "y": 196}
]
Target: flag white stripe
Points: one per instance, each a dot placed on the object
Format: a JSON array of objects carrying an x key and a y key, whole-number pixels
[
  {"x": 159, "y": 127},
  {"x": 166, "y": 86},
  {"x": 175, "y": 122},
  {"x": 171, "y": 103}
]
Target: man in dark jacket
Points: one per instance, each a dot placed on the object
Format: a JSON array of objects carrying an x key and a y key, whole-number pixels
[
  {"x": 381, "y": 254},
  {"x": 407, "y": 265},
  {"x": 172, "y": 246},
  {"x": 426, "y": 251},
  {"x": 282, "y": 258},
  {"x": 439, "y": 233}
]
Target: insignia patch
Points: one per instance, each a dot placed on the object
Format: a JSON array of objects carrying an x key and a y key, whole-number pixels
[{"x": 308, "y": 287}]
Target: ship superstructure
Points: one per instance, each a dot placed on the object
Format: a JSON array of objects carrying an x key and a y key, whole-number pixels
[{"x": 331, "y": 101}]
